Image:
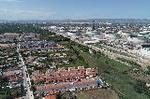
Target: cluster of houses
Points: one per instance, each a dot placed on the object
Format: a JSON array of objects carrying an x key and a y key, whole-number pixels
[
  {"x": 52, "y": 81},
  {"x": 30, "y": 37},
  {"x": 41, "y": 45},
  {"x": 14, "y": 77},
  {"x": 8, "y": 58},
  {"x": 63, "y": 75},
  {"x": 37, "y": 60},
  {"x": 9, "y": 37},
  {"x": 9, "y": 68},
  {"x": 71, "y": 79},
  {"x": 4, "y": 45}
]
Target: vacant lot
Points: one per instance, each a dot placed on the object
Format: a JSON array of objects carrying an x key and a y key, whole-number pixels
[{"x": 98, "y": 94}]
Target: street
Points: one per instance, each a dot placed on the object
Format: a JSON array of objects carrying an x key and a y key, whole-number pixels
[{"x": 26, "y": 78}]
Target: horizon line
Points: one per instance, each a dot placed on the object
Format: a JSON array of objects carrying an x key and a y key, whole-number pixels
[{"x": 74, "y": 19}]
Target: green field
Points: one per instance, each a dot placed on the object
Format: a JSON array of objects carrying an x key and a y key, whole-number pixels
[
  {"x": 116, "y": 75},
  {"x": 104, "y": 63}
]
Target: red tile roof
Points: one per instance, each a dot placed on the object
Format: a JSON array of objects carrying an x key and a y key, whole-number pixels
[
  {"x": 50, "y": 97},
  {"x": 63, "y": 75},
  {"x": 64, "y": 84}
]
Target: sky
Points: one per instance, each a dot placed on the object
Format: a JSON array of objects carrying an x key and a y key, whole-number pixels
[{"x": 74, "y": 9}]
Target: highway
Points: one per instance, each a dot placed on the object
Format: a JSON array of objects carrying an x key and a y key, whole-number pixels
[{"x": 26, "y": 77}]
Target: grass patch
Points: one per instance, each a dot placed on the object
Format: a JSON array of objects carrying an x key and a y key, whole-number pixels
[
  {"x": 98, "y": 94},
  {"x": 104, "y": 63},
  {"x": 124, "y": 86},
  {"x": 75, "y": 63}
]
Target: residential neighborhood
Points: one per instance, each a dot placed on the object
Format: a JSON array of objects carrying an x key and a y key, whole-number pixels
[
  {"x": 38, "y": 67},
  {"x": 74, "y": 61}
]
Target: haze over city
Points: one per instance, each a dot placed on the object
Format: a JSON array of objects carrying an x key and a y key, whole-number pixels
[{"x": 73, "y": 9}]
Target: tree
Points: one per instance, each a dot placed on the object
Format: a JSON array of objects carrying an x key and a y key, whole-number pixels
[
  {"x": 33, "y": 88},
  {"x": 3, "y": 81},
  {"x": 32, "y": 82},
  {"x": 148, "y": 70},
  {"x": 58, "y": 96},
  {"x": 140, "y": 86},
  {"x": 8, "y": 93},
  {"x": 5, "y": 97}
]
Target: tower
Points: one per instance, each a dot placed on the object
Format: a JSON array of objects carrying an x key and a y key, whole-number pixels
[{"x": 93, "y": 25}]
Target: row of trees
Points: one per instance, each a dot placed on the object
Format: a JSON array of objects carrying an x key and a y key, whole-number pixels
[
  {"x": 141, "y": 88},
  {"x": 129, "y": 62},
  {"x": 19, "y": 28}
]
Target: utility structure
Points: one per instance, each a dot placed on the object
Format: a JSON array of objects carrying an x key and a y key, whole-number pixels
[{"x": 93, "y": 25}]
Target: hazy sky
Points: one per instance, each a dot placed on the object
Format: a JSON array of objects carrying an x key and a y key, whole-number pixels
[{"x": 73, "y": 9}]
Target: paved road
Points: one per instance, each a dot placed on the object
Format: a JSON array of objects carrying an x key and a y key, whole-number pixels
[{"x": 26, "y": 78}]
